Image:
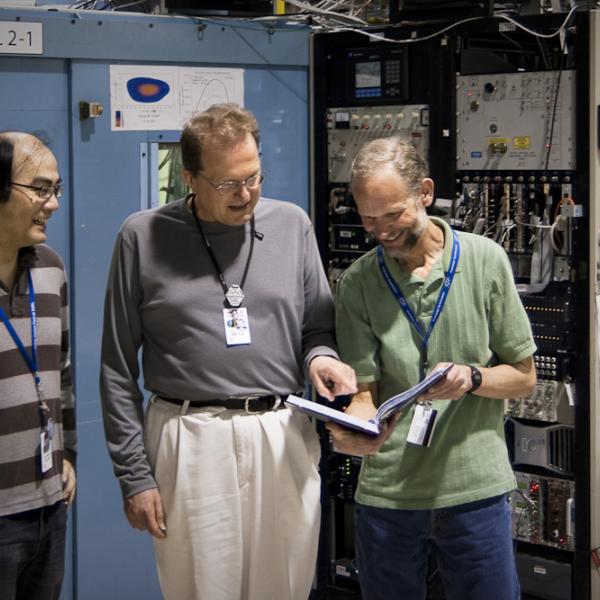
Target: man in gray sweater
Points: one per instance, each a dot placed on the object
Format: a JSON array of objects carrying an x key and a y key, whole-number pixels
[{"x": 224, "y": 292}]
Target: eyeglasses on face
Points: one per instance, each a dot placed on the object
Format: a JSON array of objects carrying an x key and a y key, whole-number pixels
[
  {"x": 45, "y": 192},
  {"x": 230, "y": 187}
]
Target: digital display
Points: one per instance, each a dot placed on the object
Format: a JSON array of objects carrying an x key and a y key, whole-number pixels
[{"x": 367, "y": 75}]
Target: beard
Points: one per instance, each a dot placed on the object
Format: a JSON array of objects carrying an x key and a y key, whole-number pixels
[{"x": 410, "y": 238}]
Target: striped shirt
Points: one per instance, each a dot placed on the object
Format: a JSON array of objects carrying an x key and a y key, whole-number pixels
[{"x": 23, "y": 486}]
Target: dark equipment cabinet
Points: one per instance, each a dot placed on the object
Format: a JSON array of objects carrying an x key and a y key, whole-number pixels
[{"x": 504, "y": 114}]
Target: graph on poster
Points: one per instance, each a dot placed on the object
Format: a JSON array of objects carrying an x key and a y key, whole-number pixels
[{"x": 159, "y": 97}]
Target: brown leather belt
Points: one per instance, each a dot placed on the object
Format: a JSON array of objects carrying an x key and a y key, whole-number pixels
[{"x": 248, "y": 403}]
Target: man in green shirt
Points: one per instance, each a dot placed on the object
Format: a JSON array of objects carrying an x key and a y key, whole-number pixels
[{"x": 427, "y": 297}]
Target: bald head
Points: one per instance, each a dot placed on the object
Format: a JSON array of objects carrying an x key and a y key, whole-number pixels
[{"x": 18, "y": 150}]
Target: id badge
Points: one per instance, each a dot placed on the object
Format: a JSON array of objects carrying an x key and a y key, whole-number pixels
[
  {"x": 45, "y": 451},
  {"x": 237, "y": 327},
  {"x": 421, "y": 428}
]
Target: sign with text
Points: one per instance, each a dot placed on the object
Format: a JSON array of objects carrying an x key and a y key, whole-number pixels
[{"x": 21, "y": 38}]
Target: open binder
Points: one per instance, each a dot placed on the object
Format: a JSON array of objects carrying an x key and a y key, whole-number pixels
[{"x": 384, "y": 412}]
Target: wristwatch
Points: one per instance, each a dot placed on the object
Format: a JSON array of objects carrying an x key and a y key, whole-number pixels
[{"x": 475, "y": 378}]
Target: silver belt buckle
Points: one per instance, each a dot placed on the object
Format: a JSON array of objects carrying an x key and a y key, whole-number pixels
[{"x": 248, "y": 400}]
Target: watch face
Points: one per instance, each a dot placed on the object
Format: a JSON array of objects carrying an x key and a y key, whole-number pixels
[{"x": 475, "y": 378}]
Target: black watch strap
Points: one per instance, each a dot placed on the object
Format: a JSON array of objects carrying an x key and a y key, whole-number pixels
[{"x": 475, "y": 378}]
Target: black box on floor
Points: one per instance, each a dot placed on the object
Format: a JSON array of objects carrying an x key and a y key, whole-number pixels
[{"x": 543, "y": 578}]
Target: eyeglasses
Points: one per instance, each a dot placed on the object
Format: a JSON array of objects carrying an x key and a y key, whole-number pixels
[
  {"x": 45, "y": 192},
  {"x": 230, "y": 187}
]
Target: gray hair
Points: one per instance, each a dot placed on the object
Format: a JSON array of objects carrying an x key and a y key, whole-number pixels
[{"x": 399, "y": 153}]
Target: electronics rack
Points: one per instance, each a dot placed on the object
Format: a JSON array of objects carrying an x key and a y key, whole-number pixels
[{"x": 503, "y": 119}]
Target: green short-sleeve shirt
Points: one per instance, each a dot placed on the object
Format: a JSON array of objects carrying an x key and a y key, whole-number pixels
[{"x": 483, "y": 323}]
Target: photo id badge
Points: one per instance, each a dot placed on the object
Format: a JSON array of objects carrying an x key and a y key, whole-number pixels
[
  {"x": 45, "y": 451},
  {"x": 421, "y": 427},
  {"x": 237, "y": 328}
]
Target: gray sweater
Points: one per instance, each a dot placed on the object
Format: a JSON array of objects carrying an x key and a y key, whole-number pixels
[{"x": 164, "y": 297}]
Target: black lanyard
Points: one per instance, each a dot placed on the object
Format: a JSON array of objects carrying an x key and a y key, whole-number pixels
[{"x": 234, "y": 294}]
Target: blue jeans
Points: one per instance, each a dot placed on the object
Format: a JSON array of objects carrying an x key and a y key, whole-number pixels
[
  {"x": 472, "y": 544},
  {"x": 32, "y": 553}
]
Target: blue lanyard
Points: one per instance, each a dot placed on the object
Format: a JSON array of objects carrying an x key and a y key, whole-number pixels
[
  {"x": 439, "y": 305},
  {"x": 31, "y": 360}
]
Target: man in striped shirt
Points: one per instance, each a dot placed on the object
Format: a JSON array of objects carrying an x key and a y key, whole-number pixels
[{"x": 37, "y": 426}]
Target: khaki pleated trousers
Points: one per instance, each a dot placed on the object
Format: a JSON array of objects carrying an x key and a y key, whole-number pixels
[{"x": 241, "y": 494}]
